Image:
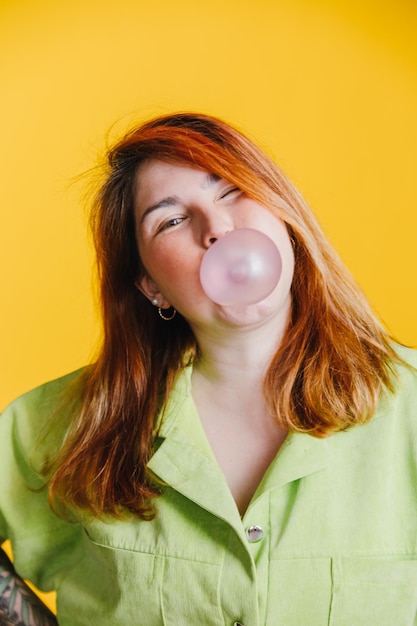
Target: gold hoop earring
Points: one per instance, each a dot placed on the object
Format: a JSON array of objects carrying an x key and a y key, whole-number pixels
[{"x": 167, "y": 318}]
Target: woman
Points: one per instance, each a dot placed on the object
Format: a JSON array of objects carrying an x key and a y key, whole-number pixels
[{"x": 217, "y": 465}]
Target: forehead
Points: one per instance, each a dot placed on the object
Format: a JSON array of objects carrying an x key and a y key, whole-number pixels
[
  {"x": 156, "y": 179},
  {"x": 158, "y": 172}
]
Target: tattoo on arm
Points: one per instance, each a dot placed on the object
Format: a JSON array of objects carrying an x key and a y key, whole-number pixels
[{"x": 19, "y": 605}]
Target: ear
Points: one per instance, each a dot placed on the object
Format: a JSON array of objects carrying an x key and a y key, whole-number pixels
[{"x": 150, "y": 290}]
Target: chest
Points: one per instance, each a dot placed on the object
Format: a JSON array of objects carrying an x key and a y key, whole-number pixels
[
  {"x": 319, "y": 562},
  {"x": 244, "y": 449}
]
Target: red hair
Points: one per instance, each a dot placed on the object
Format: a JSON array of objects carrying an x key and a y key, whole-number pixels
[{"x": 328, "y": 374}]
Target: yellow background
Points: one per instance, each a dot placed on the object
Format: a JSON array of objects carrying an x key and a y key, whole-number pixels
[{"x": 328, "y": 88}]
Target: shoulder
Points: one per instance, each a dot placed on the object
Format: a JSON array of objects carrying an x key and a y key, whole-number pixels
[
  {"x": 399, "y": 407},
  {"x": 26, "y": 419},
  {"x": 408, "y": 355},
  {"x": 406, "y": 370},
  {"x": 48, "y": 393}
]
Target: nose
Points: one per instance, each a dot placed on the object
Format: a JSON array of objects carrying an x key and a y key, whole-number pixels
[{"x": 215, "y": 227}]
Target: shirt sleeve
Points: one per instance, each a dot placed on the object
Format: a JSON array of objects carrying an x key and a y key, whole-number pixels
[{"x": 43, "y": 544}]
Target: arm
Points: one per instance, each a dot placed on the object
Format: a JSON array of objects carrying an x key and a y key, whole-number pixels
[{"x": 19, "y": 605}]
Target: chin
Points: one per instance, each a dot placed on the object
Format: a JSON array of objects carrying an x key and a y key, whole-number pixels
[{"x": 243, "y": 315}]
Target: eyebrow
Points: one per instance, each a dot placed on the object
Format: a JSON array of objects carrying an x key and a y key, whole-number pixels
[
  {"x": 170, "y": 201},
  {"x": 210, "y": 180}
]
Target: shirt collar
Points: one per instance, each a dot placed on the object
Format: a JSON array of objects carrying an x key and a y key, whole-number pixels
[{"x": 184, "y": 458}]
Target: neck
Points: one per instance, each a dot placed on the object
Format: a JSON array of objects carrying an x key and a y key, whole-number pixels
[
  {"x": 227, "y": 356},
  {"x": 236, "y": 360}
]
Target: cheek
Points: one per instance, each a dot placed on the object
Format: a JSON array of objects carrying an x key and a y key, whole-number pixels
[
  {"x": 286, "y": 250},
  {"x": 155, "y": 257},
  {"x": 279, "y": 233},
  {"x": 169, "y": 267}
]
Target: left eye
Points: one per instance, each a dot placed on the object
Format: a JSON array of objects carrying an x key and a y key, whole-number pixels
[{"x": 229, "y": 192}]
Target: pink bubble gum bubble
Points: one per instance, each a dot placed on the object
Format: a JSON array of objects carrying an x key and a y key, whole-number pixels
[{"x": 242, "y": 267}]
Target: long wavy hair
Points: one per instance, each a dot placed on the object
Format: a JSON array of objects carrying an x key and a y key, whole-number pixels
[{"x": 334, "y": 362}]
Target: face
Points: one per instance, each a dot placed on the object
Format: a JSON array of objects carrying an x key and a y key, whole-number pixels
[{"x": 180, "y": 212}]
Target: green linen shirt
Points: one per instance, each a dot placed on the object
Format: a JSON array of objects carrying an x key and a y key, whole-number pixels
[{"x": 329, "y": 538}]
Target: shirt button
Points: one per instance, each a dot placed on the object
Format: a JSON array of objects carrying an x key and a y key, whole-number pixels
[
  {"x": 238, "y": 624},
  {"x": 254, "y": 533}
]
